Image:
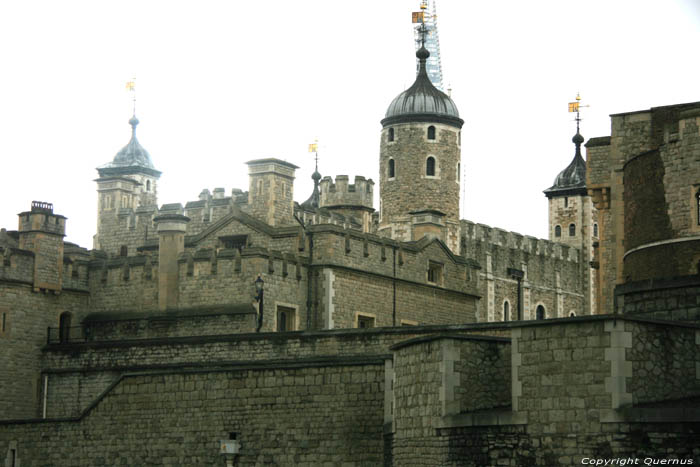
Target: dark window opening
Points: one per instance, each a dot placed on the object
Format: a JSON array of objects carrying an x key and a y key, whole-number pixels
[
  {"x": 572, "y": 314},
  {"x": 390, "y": 136},
  {"x": 595, "y": 230},
  {"x": 459, "y": 170},
  {"x": 506, "y": 311},
  {"x": 392, "y": 170},
  {"x": 237, "y": 242},
  {"x": 64, "y": 322},
  {"x": 540, "y": 313},
  {"x": 285, "y": 319},
  {"x": 566, "y": 201},
  {"x": 124, "y": 251},
  {"x": 365, "y": 321},
  {"x": 148, "y": 185},
  {"x": 435, "y": 272},
  {"x": 430, "y": 167},
  {"x": 13, "y": 457},
  {"x": 557, "y": 231},
  {"x": 4, "y": 321},
  {"x": 572, "y": 230},
  {"x": 431, "y": 132},
  {"x": 697, "y": 198}
]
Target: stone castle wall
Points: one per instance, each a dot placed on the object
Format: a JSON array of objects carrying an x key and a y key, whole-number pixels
[{"x": 552, "y": 271}]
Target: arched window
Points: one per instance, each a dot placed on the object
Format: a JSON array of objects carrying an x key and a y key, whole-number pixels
[
  {"x": 540, "y": 313},
  {"x": 392, "y": 168},
  {"x": 148, "y": 185},
  {"x": 506, "y": 311},
  {"x": 572, "y": 314},
  {"x": 124, "y": 251},
  {"x": 430, "y": 166},
  {"x": 572, "y": 230},
  {"x": 557, "y": 231},
  {"x": 64, "y": 327},
  {"x": 431, "y": 132},
  {"x": 390, "y": 135},
  {"x": 595, "y": 230}
]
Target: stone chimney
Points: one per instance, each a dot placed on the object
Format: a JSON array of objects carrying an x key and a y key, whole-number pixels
[
  {"x": 171, "y": 242},
  {"x": 41, "y": 231}
]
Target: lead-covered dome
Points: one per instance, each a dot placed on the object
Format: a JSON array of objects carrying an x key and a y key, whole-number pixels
[
  {"x": 132, "y": 157},
  {"x": 571, "y": 180},
  {"x": 422, "y": 102}
]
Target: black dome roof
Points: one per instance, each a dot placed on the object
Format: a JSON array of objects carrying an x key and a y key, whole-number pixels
[
  {"x": 571, "y": 180},
  {"x": 422, "y": 102}
]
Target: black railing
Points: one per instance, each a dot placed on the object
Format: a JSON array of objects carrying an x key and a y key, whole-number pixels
[
  {"x": 65, "y": 335},
  {"x": 41, "y": 206}
]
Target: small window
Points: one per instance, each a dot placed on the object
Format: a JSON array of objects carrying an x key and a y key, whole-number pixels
[
  {"x": 430, "y": 166},
  {"x": 4, "y": 322},
  {"x": 237, "y": 242},
  {"x": 392, "y": 168},
  {"x": 124, "y": 251},
  {"x": 459, "y": 138},
  {"x": 431, "y": 132},
  {"x": 435, "y": 272},
  {"x": 572, "y": 314},
  {"x": 364, "y": 321},
  {"x": 64, "y": 322},
  {"x": 390, "y": 135},
  {"x": 595, "y": 230},
  {"x": 459, "y": 171},
  {"x": 566, "y": 201},
  {"x": 557, "y": 231},
  {"x": 540, "y": 312},
  {"x": 697, "y": 205},
  {"x": 572, "y": 230},
  {"x": 148, "y": 185},
  {"x": 506, "y": 311},
  {"x": 286, "y": 319}
]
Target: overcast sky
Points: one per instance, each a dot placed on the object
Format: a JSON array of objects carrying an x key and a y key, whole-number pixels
[{"x": 222, "y": 82}]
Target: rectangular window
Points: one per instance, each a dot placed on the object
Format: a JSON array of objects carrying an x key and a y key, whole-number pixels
[
  {"x": 286, "y": 319},
  {"x": 4, "y": 321},
  {"x": 364, "y": 321},
  {"x": 234, "y": 241},
  {"x": 435, "y": 272}
]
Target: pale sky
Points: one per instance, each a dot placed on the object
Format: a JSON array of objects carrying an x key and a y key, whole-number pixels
[{"x": 222, "y": 82}]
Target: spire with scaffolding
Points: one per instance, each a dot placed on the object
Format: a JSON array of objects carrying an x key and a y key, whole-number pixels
[{"x": 428, "y": 19}]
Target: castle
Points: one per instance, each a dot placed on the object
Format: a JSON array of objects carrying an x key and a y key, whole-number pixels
[{"x": 251, "y": 329}]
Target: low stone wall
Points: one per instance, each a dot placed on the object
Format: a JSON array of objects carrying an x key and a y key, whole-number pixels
[
  {"x": 674, "y": 299},
  {"x": 204, "y": 321}
]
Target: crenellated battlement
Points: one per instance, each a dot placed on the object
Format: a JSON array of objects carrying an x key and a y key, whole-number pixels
[
  {"x": 513, "y": 240},
  {"x": 340, "y": 193}
]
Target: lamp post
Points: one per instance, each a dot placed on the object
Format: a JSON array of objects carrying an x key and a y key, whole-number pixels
[{"x": 259, "y": 288}]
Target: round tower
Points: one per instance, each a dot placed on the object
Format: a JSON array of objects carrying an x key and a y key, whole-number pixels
[
  {"x": 573, "y": 220},
  {"x": 126, "y": 183},
  {"x": 420, "y": 155}
]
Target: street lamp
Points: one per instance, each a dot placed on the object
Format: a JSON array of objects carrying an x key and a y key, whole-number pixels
[{"x": 259, "y": 288}]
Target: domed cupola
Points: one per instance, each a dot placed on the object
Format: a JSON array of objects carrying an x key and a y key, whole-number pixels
[
  {"x": 422, "y": 102},
  {"x": 131, "y": 158},
  {"x": 572, "y": 180}
]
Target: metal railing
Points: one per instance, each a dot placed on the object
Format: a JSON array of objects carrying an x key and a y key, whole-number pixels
[{"x": 65, "y": 335}]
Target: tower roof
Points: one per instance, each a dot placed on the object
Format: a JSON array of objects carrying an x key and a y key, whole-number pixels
[
  {"x": 132, "y": 157},
  {"x": 422, "y": 102},
  {"x": 571, "y": 180}
]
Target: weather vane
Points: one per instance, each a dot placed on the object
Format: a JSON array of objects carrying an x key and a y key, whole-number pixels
[
  {"x": 313, "y": 147},
  {"x": 419, "y": 17},
  {"x": 131, "y": 87},
  {"x": 576, "y": 107}
]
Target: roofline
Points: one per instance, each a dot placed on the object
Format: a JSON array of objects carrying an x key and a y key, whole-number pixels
[
  {"x": 687, "y": 104},
  {"x": 273, "y": 160},
  {"x": 423, "y": 118}
]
